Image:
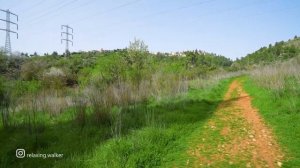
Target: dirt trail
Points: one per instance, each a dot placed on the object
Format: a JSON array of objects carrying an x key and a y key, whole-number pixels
[{"x": 235, "y": 136}]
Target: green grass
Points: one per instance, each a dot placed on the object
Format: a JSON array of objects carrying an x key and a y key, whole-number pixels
[
  {"x": 164, "y": 144},
  {"x": 153, "y": 134},
  {"x": 282, "y": 113}
]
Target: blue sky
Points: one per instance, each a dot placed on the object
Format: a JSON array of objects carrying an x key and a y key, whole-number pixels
[{"x": 232, "y": 28}]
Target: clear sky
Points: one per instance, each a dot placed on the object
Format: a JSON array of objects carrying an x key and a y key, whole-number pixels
[{"x": 232, "y": 28}]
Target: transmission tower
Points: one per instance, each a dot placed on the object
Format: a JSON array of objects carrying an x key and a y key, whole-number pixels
[
  {"x": 8, "y": 31},
  {"x": 66, "y": 39}
]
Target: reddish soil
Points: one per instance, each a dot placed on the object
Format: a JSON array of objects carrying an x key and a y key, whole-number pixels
[
  {"x": 265, "y": 144},
  {"x": 243, "y": 140}
]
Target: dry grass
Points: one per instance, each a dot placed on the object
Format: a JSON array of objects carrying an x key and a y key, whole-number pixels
[
  {"x": 51, "y": 101},
  {"x": 212, "y": 80},
  {"x": 279, "y": 76},
  {"x": 102, "y": 99},
  {"x": 126, "y": 93}
]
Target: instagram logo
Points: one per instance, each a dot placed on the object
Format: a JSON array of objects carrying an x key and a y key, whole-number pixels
[{"x": 20, "y": 153}]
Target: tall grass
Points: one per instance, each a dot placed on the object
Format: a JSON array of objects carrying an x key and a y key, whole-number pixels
[
  {"x": 50, "y": 101},
  {"x": 213, "y": 79},
  {"x": 109, "y": 102},
  {"x": 74, "y": 121},
  {"x": 279, "y": 76},
  {"x": 157, "y": 86}
]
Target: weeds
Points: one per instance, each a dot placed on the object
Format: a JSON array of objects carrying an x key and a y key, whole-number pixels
[
  {"x": 279, "y": 77},
  {"x": 124, "y": 92},
  {"x": 212, "y": 80}
]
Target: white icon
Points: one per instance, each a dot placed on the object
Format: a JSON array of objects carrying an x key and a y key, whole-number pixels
[{"x": 20, "y": 153}]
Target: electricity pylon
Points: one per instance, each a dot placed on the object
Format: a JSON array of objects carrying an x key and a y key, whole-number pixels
[
  {"x": 8, "y": 31},
  {"x": 67, "y": 34}
]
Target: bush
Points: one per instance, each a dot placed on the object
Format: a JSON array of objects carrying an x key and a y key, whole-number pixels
[
  {"x": 54, "y": 78},
  {"x": 136, "y": 59},
  {"x": 3, "y": 63},
  {"x": 4, "y": 102},
  {"x": 33, "y": 69}
]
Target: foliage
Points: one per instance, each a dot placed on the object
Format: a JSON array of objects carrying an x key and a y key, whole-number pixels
[
  {"x": 3, "y": 65},
  {"x": 199, "y": 63},
  {"x": 150, "y": 134},
  {"x": 4, "y": 103},
  {"x": 54, "y": 53},
  {"x": 276, "y": 93},
  {"x": 105, "y": 97},
  {"x": 280, "y": 109},
  {"x": 279, "y": 52},
  {"x": 54, "y": 78},
  {"x": 136, "y": 59}
]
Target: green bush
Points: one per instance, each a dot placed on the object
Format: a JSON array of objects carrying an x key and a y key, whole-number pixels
[
  {"x": 33, "y": 69},
  {"x": 54, "y": 78}
]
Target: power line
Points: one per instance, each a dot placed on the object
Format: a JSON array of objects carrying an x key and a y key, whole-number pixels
[
  {"x": 16, "y": 5},
  {"x": 30, "y": 7},
  {"x": 233, "y": 9},
  {"x": 66, "y": 39},
  {"x": 166, "y": 11},
  {"x": 86, "y": 3},
  {"x": 181, "y": 7},
  {"x": 54, "y": 9},
  {"x": 193, "y": 5},
  {"x": 8, "y": 31},
  {"x": 60, "y": 6},
  {"x": 104, "y": 12},
  {"x": 69, "y": 11}
]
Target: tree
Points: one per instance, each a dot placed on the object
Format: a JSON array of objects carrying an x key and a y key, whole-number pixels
[
  {"x": 137, "y": 46},
  {"x": 136, "y": 58},
  {"x": 136, "y": 53},
  {"x": 54, "y": 53},
  {"x": 67, "y": 53},
  {"x": 3, "y": 63}
]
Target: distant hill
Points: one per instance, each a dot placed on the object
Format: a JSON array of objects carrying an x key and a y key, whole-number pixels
[
  {"x": 82, "y": 67},
  {"x": 273, "y": 53}
]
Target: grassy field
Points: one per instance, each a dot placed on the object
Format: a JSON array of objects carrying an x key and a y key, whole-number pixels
[
  {"x": 131, "y": 108},
  {"x": 153, "y": 134}
]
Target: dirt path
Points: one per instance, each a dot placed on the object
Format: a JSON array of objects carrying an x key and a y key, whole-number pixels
[{"x": 235, "y": 136}]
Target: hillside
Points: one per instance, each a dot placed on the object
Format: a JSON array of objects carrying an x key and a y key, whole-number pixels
[
  {"x": 100, "y": 98},
  {"x": 131, "y": 108},
  {"x": 280, "y": 51},
  {"x": 82, "y": 66}
]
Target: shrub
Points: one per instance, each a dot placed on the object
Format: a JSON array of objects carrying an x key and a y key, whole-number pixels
[
  {"x": 54, "y": 78},
  {"x": 33, "y": 69},
  {"x": 136, "y": 59},
  {"x": 4, "y": 103},
  {"x": 3, "y": 63}
]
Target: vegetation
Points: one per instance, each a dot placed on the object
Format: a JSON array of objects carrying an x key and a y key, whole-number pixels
[
  {"x": 281, "y": 51},
  {"x": 274, "y": 84},
  {"x": 276, "y": 93},
  {"x": 133, "y": 108},
  {"x": 97, "y": 101}
]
